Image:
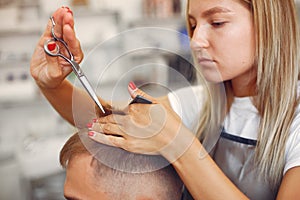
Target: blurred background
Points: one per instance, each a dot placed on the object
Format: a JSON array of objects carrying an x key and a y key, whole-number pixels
[{"x": 31, "y": 132}]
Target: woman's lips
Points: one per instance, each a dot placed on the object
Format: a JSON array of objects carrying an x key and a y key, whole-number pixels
[{"x": 205, "y": 61}]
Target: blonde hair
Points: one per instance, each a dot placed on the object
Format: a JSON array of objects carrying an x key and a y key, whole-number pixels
[{"x": 277, "y": 58}]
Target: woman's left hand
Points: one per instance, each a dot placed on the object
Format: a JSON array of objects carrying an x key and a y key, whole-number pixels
[{"x": 141, "y": 128}]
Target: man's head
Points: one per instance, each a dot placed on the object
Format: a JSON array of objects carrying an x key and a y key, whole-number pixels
[{"x": 128, "y": 176}]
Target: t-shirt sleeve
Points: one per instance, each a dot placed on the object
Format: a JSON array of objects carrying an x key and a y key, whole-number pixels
[
  {"x": 186, "y": 102},
  {"x": 293, "y": 146}
]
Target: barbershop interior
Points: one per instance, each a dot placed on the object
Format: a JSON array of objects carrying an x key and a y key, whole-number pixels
[{"x": 146, "y": 38}]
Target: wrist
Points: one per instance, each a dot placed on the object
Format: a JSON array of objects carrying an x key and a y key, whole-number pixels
[
  {"x": 179, "y": 145},
  {"x": 61, "y": 86},
  {"x": 63, "y": 90}
]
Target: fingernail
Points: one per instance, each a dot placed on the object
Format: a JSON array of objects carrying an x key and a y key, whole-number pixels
[
  {"x": 70, "y": 11},
  {"x": 95, "y": 120},
  {"x": 51, "y": 46},
  {"x": 91, "y": 133},
  {"x": 89, "y": 125},
  {"x": 132, "y": 85},
  {"x": 65, "y": 7}
]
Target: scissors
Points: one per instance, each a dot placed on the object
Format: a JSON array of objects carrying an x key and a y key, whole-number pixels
[{"x": 75, "y": 66}]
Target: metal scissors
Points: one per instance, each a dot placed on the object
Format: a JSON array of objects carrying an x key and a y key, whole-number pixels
[{"x": 70, "y": 58}]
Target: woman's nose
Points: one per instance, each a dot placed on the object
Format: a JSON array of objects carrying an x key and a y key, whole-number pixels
[{"x": 199, "y": 39}]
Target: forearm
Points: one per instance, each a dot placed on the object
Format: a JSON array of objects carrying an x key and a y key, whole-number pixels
[
  {"x": 72, "y": 103},
  {"x": 201, "y": 175}
]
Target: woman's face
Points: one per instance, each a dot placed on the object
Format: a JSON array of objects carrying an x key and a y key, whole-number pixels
[{"x": 223, "y": 39}]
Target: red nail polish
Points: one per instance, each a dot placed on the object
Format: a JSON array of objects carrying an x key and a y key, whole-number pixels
[
  {"x": 132, "y": 85},
  {"x": 95, "y": 120},
  {"x": 70, "y": 11},
  {"x": 89, "y": 125},
  {"x": 91, "y": 134},
  {"x": 51, "y": 46}
]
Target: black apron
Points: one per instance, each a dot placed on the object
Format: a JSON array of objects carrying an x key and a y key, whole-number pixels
[{"x": 235, "y": 156}]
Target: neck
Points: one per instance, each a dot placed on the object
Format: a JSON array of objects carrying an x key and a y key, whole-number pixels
[
  {"x": 244, "y": 85},
  {"x": 243, "y": 91}
]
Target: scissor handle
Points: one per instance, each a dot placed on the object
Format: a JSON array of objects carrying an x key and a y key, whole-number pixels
[{"x": 54, "y": 52}]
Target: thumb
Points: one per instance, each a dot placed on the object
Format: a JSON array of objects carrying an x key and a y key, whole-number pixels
[{"x": 134, "y": 91}]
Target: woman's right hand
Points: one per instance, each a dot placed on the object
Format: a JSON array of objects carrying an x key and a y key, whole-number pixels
[{"x": 49, "y": 72}]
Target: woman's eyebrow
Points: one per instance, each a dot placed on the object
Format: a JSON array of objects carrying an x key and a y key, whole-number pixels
[
  {"x": 212, "y": 11},
  {"x": 191, "y": 17},
  {"x": 215, "y": 10}
]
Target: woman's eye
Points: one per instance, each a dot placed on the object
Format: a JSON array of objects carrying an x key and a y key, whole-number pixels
[
  {"x": 192, "y": 29},
  {"x": 192, "y": 26},
  {"x": 218, "y": 24}
]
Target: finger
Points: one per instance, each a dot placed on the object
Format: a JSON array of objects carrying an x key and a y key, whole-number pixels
[
  {"x": 73, "y": 43},
  {"x": 111, "y": 129},
  {"x": 48, "y": 30},
  {"x": 106, "y": 139},
  {"x": 134, "y": 91},
  {"x": 108, "y": 129},
  {"x": 68, "y": 18},
  {"x": 59, "y": 19},
  {"x": 69, "y": 35},
  {"x": 55, "y": 70},
  {"x": 57, "y": 15},
  {"x": 99, "y": 137},
  {"x": 63, "y": 17},
  {"x": 64, "y": 29},
  {"x": 112, "y": 119}
]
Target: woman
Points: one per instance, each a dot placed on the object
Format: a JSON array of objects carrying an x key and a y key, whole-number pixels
[{"x": 252, "y": 47}]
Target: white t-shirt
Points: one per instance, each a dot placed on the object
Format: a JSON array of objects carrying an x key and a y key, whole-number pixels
[{"x": 242, "y": 119}]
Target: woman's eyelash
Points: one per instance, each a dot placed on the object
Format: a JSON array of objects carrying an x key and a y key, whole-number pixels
[
  {"x": 218, "y": 23},
  {"x": 193, "y": 27}
]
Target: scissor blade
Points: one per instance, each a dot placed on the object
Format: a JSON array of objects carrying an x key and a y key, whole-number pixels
[{"x": 91, "y": 91}]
